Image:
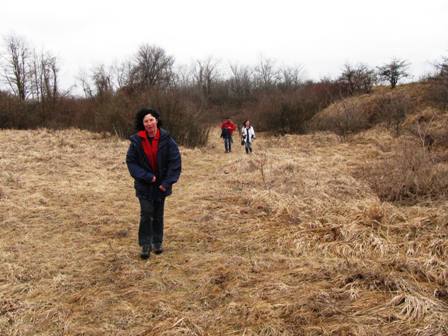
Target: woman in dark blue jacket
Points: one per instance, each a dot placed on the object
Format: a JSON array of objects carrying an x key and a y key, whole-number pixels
[{"x": 154, "y": 161}]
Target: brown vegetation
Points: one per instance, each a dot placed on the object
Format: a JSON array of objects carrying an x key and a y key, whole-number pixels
[
  {"x": 111, "y": 114},
  {"x": 384, "y": 106},
  {"x": 438, "y": 92},
  {"x": 276, "y": 98},
  {"x": 282, "y": 242},
  {"x": 410, "y": 172}
]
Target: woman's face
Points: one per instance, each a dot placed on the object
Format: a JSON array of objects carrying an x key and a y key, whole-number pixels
[
  {"x": 247, "y": 123},
  {"x": 150, "y": 123}
]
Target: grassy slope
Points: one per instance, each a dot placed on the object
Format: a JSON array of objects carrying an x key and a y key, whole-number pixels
[
  {"x": 364, "y": 111},
  {"x": 283, "y": 242}
]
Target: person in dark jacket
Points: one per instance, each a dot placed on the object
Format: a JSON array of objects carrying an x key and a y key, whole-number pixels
[
  {"x": 227, "y": 129},
  {"x": 154, "y": 161}
]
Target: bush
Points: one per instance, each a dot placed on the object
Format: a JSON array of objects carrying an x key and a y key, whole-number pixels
[
  {"x": 107, "y": 113},
  {"x": 390, "y": 108},
  {"x": 355, "y": 114},
  {"x": 15, "y": 113},
  {"x": 409, "y": 174},
  {"x": 289, "y": 111},
  {"x": 343, "y": 118},
  {"x": 438, "y": 89},
  {"x": 181, "y": 118},
  {"x": 428, "y": 127},
  {"x": 282, "y": 113},
  {"x": 438, "y": 93}
]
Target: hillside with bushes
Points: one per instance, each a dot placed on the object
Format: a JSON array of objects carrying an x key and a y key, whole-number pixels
[{"x": 277, "y": 98}]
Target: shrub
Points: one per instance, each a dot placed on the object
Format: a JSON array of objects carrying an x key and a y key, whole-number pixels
[
  {"x": 283, "y": 113},
  {"x": 106, "y": 113},
  {"x": 343, "y": 118},
  {"x": 390, "y": 108},
  {"x": 408, "y": 174},
  {"x": 16, "y": 113},
  {"x": 428, "y": 127},
  {"x": 357, "y": 79},
  {"x": 438, "y": 89},
  {"x": 355, "y": 114},
  {"x": 290, "y": 111},
  {"x": 182, "y": 119}
]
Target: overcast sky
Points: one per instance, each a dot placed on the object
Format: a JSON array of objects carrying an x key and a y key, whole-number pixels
[{"x": 320, "y": 35}]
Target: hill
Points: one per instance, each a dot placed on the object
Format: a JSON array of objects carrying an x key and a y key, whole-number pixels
[
  {"x": 408, "y": 109},
  {"x": 292, "y": 240}
]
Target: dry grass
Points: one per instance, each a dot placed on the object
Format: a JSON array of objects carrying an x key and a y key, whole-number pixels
[
  {"x": 410, "y": 172},
  {"x": 283, "y": 242},
  {"x": 429, "y": 122},
  {"x": 384, "y": 106}
]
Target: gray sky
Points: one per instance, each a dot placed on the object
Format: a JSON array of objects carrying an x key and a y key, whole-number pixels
[{"x": 320, "y": 35}]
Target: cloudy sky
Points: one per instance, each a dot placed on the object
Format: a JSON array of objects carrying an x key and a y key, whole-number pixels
[{"x": 320, "y": 35}]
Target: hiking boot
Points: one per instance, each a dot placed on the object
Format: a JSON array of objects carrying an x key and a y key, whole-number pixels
[
  {"x": 146, "y": 249},
  {"x": 157, "y": 249}
]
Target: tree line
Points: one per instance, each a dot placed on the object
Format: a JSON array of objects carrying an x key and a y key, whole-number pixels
[{"x": 192, "y": 97}]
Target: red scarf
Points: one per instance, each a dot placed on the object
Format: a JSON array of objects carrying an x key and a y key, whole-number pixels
[{"x": 150, "y": 148}]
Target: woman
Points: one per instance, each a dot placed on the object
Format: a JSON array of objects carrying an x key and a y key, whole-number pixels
[
  {"x": 227, "y": 129},
  {"x": 248, "y": 135},
  {"x": 154, "y": 161}
]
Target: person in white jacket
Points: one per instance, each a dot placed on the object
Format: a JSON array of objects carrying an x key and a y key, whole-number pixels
[{"x": 248, "y": 135}]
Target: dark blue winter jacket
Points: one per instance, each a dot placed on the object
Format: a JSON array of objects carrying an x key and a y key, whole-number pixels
[{"x": 168, "y": 166}]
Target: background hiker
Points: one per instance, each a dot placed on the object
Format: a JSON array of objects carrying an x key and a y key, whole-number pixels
[
  {"x": 227, "y": 129},
  {"x": 248, "y": 135}
]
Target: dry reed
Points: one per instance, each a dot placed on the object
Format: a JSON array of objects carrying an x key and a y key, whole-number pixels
[{"x": 282, "y": 242}]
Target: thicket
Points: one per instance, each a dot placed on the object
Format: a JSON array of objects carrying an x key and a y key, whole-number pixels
[
  {"x": 358, "y": 113},
  {"x": 113, "y": 114},
  {"x": 192, "y": 99},
  {"x": 409, "y": 173},
  {"x": 438, "y": 90},
  {"x": 185, "y": 112},
  {"x": 289, "y": 111}
]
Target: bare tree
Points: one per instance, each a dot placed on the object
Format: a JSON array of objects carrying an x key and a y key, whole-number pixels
[
  {"x": 438, "y": 91},
  {"x": 153, "y": 67},
  {"x": 51, "y": 77},
  {"x": 265, "y": 74},
  {"x": 290, "y": 77},
  {"x": 240, "y": 81},
  {"x": 442, "y": 68},
  {"x": 393, "y": 71},
  {"x": 184, "y": 76},
  {"x": 102, "y": 81},
  {"x": 85, "y": 84},
  {"x": 121, "y": 75},
  {"x": 15, "y": 66},
  {"x": 43, "y": 77},
  {"x": 358, "y": 79},
  {"x": 205, "y": 74}
]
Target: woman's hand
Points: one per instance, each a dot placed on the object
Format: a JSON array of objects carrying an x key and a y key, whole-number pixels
[{"x": 153, "y": 179}]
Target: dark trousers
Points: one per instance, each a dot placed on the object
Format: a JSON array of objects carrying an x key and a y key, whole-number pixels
[
  {"x": 248, "y": 147},
  {"x": 228, "y": 144},
  {"x": 150, "y": 231}
]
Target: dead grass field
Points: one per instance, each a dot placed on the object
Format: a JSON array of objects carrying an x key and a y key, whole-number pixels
[{"x": 283, "y": 242}]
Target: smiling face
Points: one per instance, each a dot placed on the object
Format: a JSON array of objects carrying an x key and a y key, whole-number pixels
[{"x": 150, "y": 123}]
